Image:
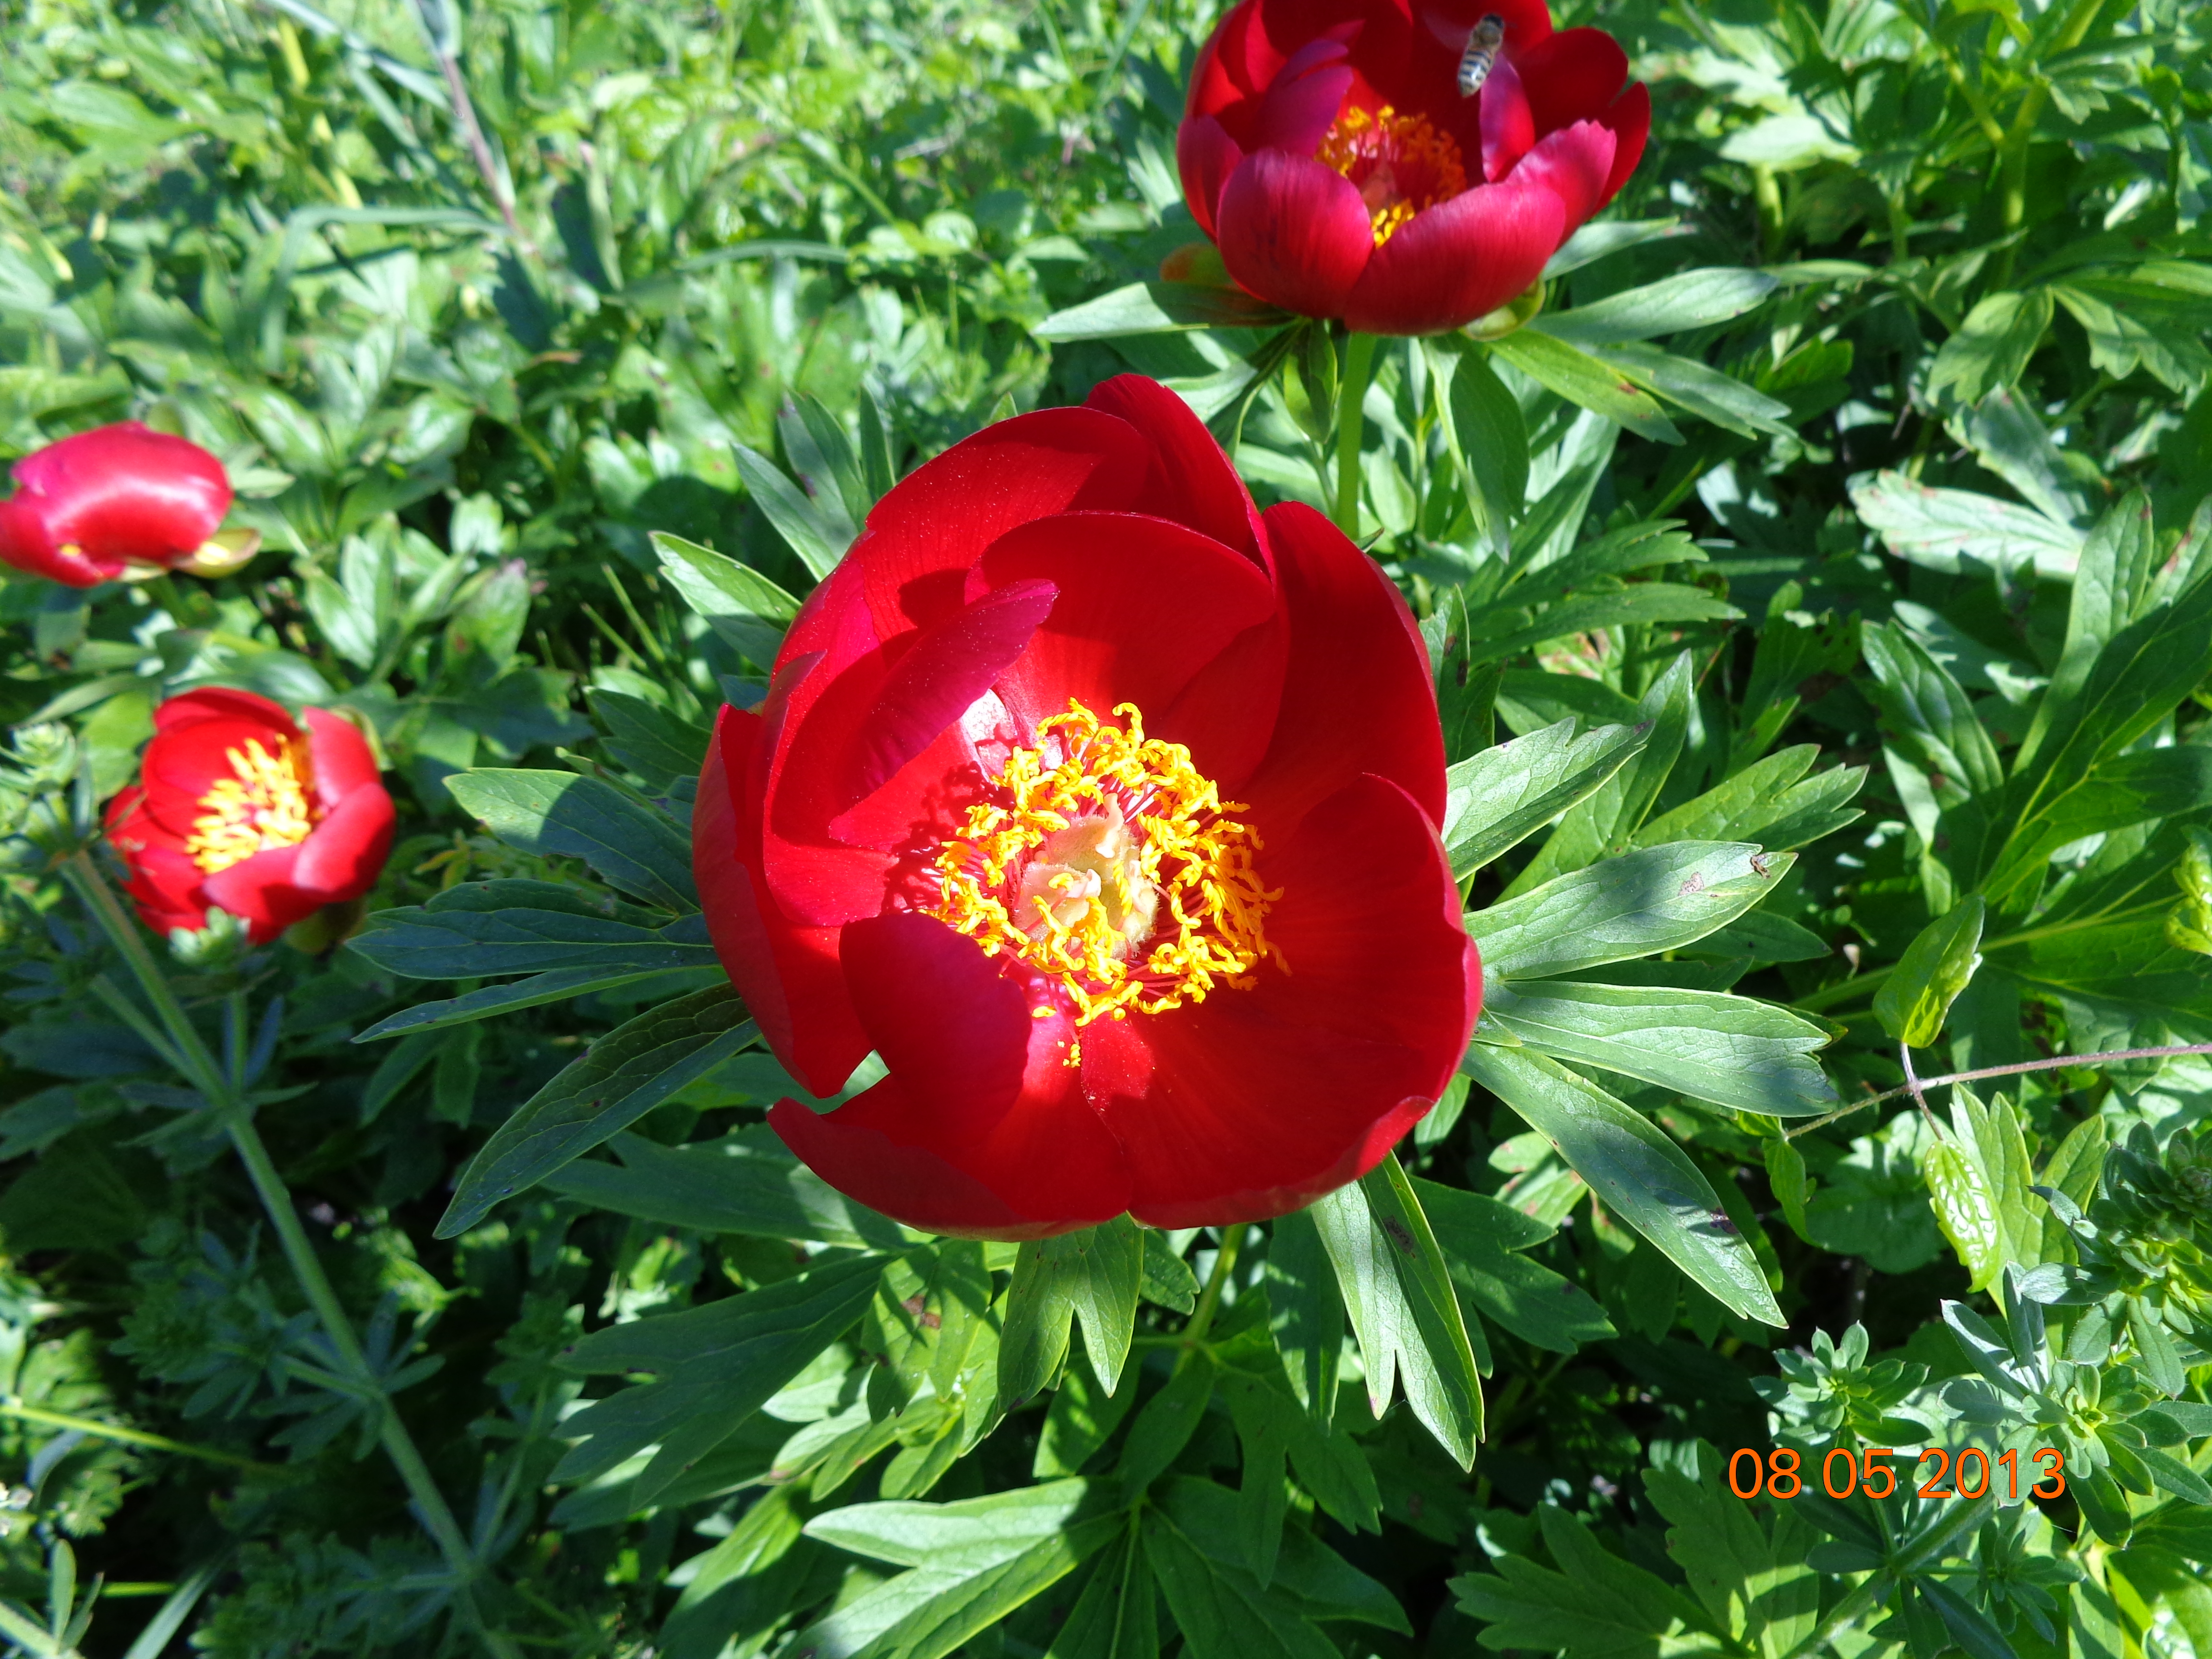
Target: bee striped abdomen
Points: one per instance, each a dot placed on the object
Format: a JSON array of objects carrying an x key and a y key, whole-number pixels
[{"x": 1482, "y": 44}]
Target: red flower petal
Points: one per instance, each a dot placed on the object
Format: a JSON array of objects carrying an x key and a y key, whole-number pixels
[
  {"x": 976, "y": 1085},
  {"x": 221, "y": 703},
  {"x": 936, "y": 522},
  {"x": 1571, "y": 76},
  {"x": 789, "y": 976},
  {"x": 1048, "y": 1172},
  {"x": 1357, "y": 692},
  {"x": 1573, "y": 164},
  {"x": 1301, "y": 103},
  {"x": 1110, "y": 638},
  {"x": 344, "y": 855},
  {"x": 1629, "y": 116},
  {"x": 1191, "y": 480},
  {"x": 121, "y": 493},
  {"x": 1256, "y": 1102},
  {"x": 340, "y": 755},
  {"x": 261, "y": 891},
  {"x": 1450, "y": 264},
  {"x": 1294, "y": 232},
  {"x": 1508, "y": 127},
  {"x": 1449, "y": 22},
  {"x": 1205, "y": 157}
]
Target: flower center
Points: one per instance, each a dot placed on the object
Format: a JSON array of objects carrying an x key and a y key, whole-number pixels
[
  {"x": 1104, "y": 860},
  {"x": 263, "y": 804},
  {"x": 1399, "y": 163}
]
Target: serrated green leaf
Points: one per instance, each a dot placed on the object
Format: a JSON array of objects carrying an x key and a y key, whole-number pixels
[
  {"x": 1314, "y": 1578},
  {"x": 1991, "y": 348},
  {"x": 1481, "y": 1239},
  {"x": 1219, "y": 1608},
  {"x": 712, "y": 1367},
  {"x": 1092, "y": 1276},
  {"x": 1746, "y": 1565},
  {"x": 1167, "y": 1422},
  {"x": 625, "y": 1075},
  {"x": 1397, "y": 1291},
  {"x": 1083, "y": 1417},
  {"x": 1643, "y": 1177},
  {"x": 1305, "y": 1311},
  {"x": 818, "y": 537},
  {"x": 1596, "y": 1606}
]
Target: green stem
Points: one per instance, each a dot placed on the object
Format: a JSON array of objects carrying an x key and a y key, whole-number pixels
[
  {"x": 226, "y": 1098},
  {"x": 1916, "y": 1086},
  {"x": 1351, "y": 415},
  {"x": 1868, "y": 1595},
  {"x": 1209, "y": 1298},
  {"x": 14, "y": 1407}
]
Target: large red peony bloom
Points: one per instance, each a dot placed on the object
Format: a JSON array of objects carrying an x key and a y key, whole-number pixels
[
  {"x": 1328, "y": 151},
  {"x": 1103, "y": 809},
  {"x": 91, "y": 507},
  {"x": 239, "y": 809}
]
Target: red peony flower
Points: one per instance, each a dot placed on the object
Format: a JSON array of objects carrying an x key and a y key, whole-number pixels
[
  {"x": 239, "y": 809},
  {"x": 93, "y": 507},
  {"x": 1103, "y": 809},
  {"x": 1327, "y": 149}
]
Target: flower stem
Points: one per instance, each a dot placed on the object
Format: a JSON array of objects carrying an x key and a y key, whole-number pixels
[
  {"x": 225, "y": 1097},
  {"x": 1209, "y": 1298},
  {"x": 1913, "y": 1085},
  {"x": 1351, "y": 396}
]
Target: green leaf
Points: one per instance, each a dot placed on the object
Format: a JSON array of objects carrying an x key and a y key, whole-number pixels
[
  {"x": 1643, "y": 1177},
  {"x": 625, "y": 1075},
  {"x": 1583, "y": 380},
  {"x": 1770, "y": 801},
  {"x": 1607, "y": 822},
  {"x": 1725, "y": 401},
  {"x": 647, "y": 740},
  {"x": 483, "y": 928},
  {"x": 1329, "y": 1463},
  {"x": 1116, "y": 1616},
  {"x": 1220, "y": 1608},
  {"x": 1745, "y": 1564},
  {"x": 1397, "y": 1291},
  {"x": 1485, "y": 433},
  {"x": 1656, "y": 899},
  {"x": 1595, "y": 242},
  {"x": 1481, "y": 1239},
  {"x": 1689, "y": 299},
  {"x": 1730, "y": 1050},
  {"x": 1166, "y": 1423},
  {"x": 1091, "y": 1275},
  {"x": 641, "y": 850},
  {"x": 1596, "y": 1606},
  {"x": 711, "y": 1368},
  {"x": 746, "y": 1183},
  {"x": 1785, "y": 1175},
  {"x": 817, "y": 536},
  {"x": 742, "y": 1585},
  {"x": 1314, "y": 1578},
  {"x": 742, "y": 605},
  {"x": 1496, "y": 799},
  {"x": 1966, "y": 1210},
  {"x": 1992, "y": 347},
  {"x": 563, "y": 985},
  {"x": 1168, "y": 1281},
  {"x": 1305, "y": 1311},
  {"x": 1083, "y": 1415},
  {"x": 1157, "y": 307},
  {"x": 1913, "y": 1002},
  {"x": 1953, "y": 531},
  {"x": 972, "y": 1563}
]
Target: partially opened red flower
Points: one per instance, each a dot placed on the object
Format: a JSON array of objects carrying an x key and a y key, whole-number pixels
[
  {"x": 1327, "y": 149},
  {"x": 237, "y": 808},
  {"x": 1103, "y": 809},
  {"x": 115, "y": 501}
]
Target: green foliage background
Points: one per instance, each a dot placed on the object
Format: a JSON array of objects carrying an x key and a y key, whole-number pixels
[{"x": 1821, "y": 590}]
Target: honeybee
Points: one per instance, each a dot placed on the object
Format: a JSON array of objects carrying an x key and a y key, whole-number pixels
[{"x": 1482, "y": 44}]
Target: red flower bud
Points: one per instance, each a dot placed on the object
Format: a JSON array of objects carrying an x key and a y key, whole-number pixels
[
  {"x": 237, "y": 808},
  {"x": 1330, "y": 153},
  {"x": 1102, "y": 807},
  {"x": 91, "y": 507}
]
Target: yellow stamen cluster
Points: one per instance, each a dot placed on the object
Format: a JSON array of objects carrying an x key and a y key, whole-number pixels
[
  {"x": 1114, "y": 868},
  {"x": 265, "y": 802},
  {"x": 1400, "y": 163}
]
